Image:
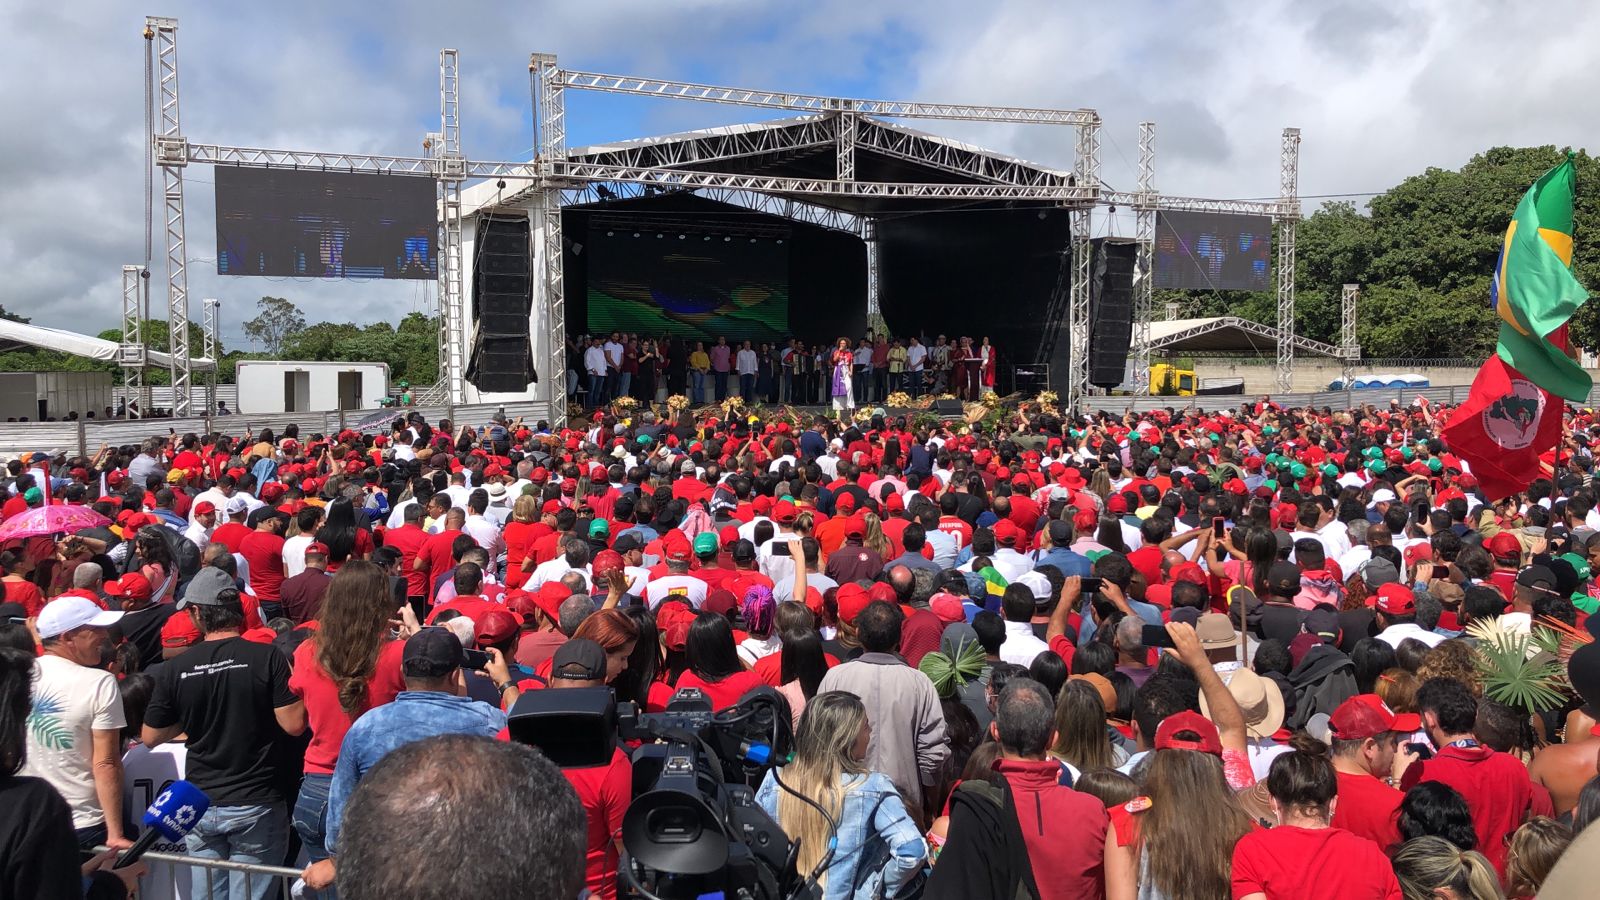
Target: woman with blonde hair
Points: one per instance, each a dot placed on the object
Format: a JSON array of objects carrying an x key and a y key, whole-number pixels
[
  {"x": 1534, "y": 850},
  {"x": 1431, "y": 868},
  {"x": 1100, "y": 484},
  {"x": 519, "y": 534},
  {"x": 874, "y": 538},
  {"x": 826, "y": 793}
]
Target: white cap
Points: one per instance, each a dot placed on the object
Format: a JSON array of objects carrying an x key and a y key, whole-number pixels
[
  {"x": 1383, "y": 495},
  {"x": 1036, "y": 583},
  {"x": 63, "y": 614},
  {"x": 236, "y": 505}
]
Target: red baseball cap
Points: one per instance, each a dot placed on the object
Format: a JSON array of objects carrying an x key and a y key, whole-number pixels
[
  {"x": 1505, "y": 546},
  {"x": 549, "y": 598},
  {"x": 1188, "y": 730},
  {"x": 845, "y": 502},
  {"x": 677, "y": 547},
  {"x": 604, "y": 562},
  {"x": 882, "y": 591},
  {"x": 1366, "y": 715},
  {"x": 204, "y": 508},
  {"x": 496, "y": 626},
  {"x": 1396, "y": 599},
  {"x": 893, "y": 502},
  {"x": 855, "y": 527},
  {"x": 550, "y": 508},
  {"x": 851, "y": 599},
  {"x": 1006, "y": 532},
  {"x": 1085, "y": 520},
  {"x": 180, "y": 631},
  {"x": 131, "y": 586},
  {"x": 316, "y": 548},
  {"x": 784, "y": 512},
  {"x": 948, "y": 608},
  {"x": 1117, "y": 504}
]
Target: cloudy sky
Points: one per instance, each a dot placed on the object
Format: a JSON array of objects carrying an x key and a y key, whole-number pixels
[{"x": 1380, "y": 88}]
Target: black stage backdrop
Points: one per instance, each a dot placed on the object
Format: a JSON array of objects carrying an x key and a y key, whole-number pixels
[
  {"x": 973, "y": 272},
  {"x": 825, "y": 271}
]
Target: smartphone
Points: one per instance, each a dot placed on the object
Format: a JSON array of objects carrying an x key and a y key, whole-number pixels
[
  {"x": 474, "y": 659},
  {"x": 1218, "y": 525},
  {"x": 1423, "y": 751},
  {"x": 1155, "y": 636},
  {"x": 780, "y": 548},
  {"x": 1091, "y": 585}
]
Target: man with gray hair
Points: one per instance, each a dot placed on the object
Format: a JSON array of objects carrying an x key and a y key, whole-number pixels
[
  {"x": 573, "y": 559},
  {"x": 573, "y": 611},
  {"x": 1359, "y": 551},
  {"x": 1131, "y": 653}
]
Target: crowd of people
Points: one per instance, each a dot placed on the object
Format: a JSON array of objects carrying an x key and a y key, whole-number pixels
[
  {"x": 601, "y": 368},
  {"x": 1261, "y": 653}
]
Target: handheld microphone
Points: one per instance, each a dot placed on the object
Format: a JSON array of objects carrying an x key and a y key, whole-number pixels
[{"x": 174, "y": 814}]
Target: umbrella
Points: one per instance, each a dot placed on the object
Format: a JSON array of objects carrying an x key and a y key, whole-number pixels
[{"x": 44, "y": 520}]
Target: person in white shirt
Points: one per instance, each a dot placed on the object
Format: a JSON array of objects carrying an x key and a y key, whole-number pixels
[
  {"x": 1021, "y": 644},
  {"x": 594, "y": 365},
  {"x": 307, "y": 521},
  {"x": 217, "y": 496},
  {"x": 783, "y": 589},
  {"x": 773, "y": 564},
  {"x": 916, "y": 361},
  {"x": 1397, "y": 617},
  {"x": 574, "y": 558},
  {"x": 746, "y": 364},
  {"x": 677, "y": 582},
  {"x": 203, "y": 519},
  {"x": 74, "y": 735},
  {"x": 480, "y": 529}
]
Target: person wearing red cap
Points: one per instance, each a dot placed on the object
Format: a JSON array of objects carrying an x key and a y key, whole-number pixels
[
  {"x": 1364, "y": 736},
  {"x": 1506, "y": 551},
  {"x": 853, "y": 561},
  {"x": 677, "y": 582},
  {"x": 1496, "y": 786},
  {"x": 302, "y": 594},
  {"x": 1304, "y": 856},
  {"x": 1397, "y": 617}
]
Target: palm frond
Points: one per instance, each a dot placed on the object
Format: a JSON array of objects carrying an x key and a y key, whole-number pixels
[{"x": 1516, "y": 672}]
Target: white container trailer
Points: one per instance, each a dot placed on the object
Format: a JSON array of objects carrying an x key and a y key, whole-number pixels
[
  {"x": 40, "y": 396},
  {"x": 279, "y": 386}
]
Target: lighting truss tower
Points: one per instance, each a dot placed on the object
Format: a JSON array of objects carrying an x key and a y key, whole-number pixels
[
  {"x": 132, "y": 354},
  {"x": 451, "y": 171},
  {"x": 551, "y": 143},
  {"x": 1349, "y": 349},
  {"x": 172, "y": 155},
  {"x": 1086, "y": 174},
  {"x": 869, "y": 235},
  {"x": 1288, "y": 219},
  {"x": 1145, "y": 234},
  {"x": 209, "y": 331}
]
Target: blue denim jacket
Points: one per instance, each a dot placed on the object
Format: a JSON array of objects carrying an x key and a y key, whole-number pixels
[
  {"x": 874, "y": 859},
  {"x": 413, "y": 716}
]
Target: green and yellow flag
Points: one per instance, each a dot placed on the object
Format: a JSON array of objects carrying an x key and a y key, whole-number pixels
[{"x": 1534, "y": 291}]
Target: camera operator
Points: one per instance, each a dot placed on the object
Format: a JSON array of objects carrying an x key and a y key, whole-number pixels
[
  {"x": 433, "y": 703},
  {"x": 461, "y": 815},
  {"x": 605, "y": 790}
]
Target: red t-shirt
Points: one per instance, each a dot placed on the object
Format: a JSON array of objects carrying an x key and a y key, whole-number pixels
[
  {"x": 957, "y": 528},
  {"x": 263, "y": 550},
  {"x": 1064, "y": 829},
  {"x": 1368, "y": 808},
  {"x": 472, "y": 607},
  {"x": 605, "y": 792},
  {"x": 231, "y": 535},
  {"x": 769, "y": 668},
  {"x": 544, "y": 548},
  {"x": 436, "y": 559},
  {"x": 1497, "y": 789},
  {"x": 408, "y": 540},
  {"x": 519, "y": 537},
  {"x": 25, "y": 593},
  {"x": 724, "y": 693},
  {"x": 1311, "y": 864},
  {"x": 324, "y": 716},
  {"x": 1147, "y": 560}
]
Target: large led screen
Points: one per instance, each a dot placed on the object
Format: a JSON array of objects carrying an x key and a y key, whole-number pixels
[
  {"x": 1213, "y": 251},
  {"x": 300, "y": 224},
  {"x": 730, "y": 286}
]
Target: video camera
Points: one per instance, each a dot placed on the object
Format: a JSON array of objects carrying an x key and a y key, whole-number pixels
[{"x": 693, "y": 827}]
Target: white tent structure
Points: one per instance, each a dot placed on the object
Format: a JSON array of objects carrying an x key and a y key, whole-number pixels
[{"x": 82, "y": 345}]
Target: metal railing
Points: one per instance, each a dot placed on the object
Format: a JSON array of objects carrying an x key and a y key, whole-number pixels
[
  {"x": 172, "y": 874},
  {"x": 1347, "y": 399}
]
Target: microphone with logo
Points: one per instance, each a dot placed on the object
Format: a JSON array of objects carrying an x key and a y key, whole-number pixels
[{"x": 174, "y": 814}]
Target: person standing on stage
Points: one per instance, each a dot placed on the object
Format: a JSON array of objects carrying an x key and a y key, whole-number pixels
[
  {"x": 880, "y": 368},
  {"x": 721, "y": 365},
  {"x": 986, "y": 371},
  {"x": 699, "y": 371},
  {"x": 916, "y": 362},
  {"x": 939, "y": 363},
  {"x": 594, "y": 364},
  {"x": 863, "y": 370},
  {"x": 747, "y": 365},
  {"x": 843, "y": 362}
]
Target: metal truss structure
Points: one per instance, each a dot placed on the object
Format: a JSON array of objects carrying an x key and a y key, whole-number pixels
[
  {"x": 1288, "y": 220},
  {"x": 1145, "y": 233},
  {"x": 1349, "y": 347},
  {"x": 208, "y": 330},
  {"x": 844, "y": 202},
  {"x": 132, "y": 355},
  {"x": 1222, "y": 323}
]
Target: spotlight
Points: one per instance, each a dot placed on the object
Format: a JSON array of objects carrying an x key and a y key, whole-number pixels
[
  {"x": 636, "y": 234},
  {"x": 604, "y": 192},
  {"x": 660, "y": 235},
  {"x": 752, "y": 240},
  {"x": 1042, "y": 216},
  {"x": 780, "y": 240},
  {"x": 501, "y": 184},
  {"x": 726, "y": 239},
  {"x": 682, "y": 237},
  {"x": 708, "y": 237},
  {"x": 1113, "y": 209},
  {"x": 611, "y": 234}
]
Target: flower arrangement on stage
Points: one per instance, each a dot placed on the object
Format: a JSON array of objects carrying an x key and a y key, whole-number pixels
[
  {"x": 990, "y": 398},
  {"x": 897, "y": 400},
  {"x": 622, "y": 404},
  {"x": 677, "y": 403},
  {"x": 1047, "y": 398}
]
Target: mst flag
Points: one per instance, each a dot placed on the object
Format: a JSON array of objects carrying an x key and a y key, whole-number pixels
[
  {"x": 1534, "y": 291},
  {"x": 1514, "y": 411},
  {"x": 1506, "y": 423}
]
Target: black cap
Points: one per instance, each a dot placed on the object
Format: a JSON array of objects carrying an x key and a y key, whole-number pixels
[
  {"x": 1583, "y": 670},
  {"x": 579, "y": 660},
  {"x": 1538, "y": 577},
  {"x": 1323, "y": 621},
  {"x": 1283, "y": 579},
  {"x": 431, "y": 653},
  {"x": 1060, "y": 533},
  {"x": 743, "y": 550},
  {"x": 263, "y": 513},
  {"x": 13, "y": 611},
  {"x": 628, "y": 543}
]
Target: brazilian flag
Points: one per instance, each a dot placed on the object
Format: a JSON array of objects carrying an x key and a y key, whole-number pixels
[{"x": 1534, "y": 292}]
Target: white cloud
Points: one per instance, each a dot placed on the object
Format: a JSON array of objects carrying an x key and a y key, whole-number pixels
[{"x": 1380, "y": 89}]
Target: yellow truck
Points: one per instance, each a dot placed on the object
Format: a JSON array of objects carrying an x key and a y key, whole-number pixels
[{"x": 1171, "y": 381}]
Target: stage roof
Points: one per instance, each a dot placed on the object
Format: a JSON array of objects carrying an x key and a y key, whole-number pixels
[
  {"x": 16, "y": 335},
  {"x": 806, "y": 147},
  {"x": 1226, "y": 334}
]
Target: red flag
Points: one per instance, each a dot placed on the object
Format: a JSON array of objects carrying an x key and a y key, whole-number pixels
[{"x": 1504, "y": 426}]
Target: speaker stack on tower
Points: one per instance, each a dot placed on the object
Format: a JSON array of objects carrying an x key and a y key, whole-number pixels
[
  {"x": 502, "y": 304},
  {"x": 1111, "y": 310}
]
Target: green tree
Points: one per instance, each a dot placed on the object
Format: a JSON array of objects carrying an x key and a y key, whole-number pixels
[
  {"x": 10, "y": 316},
  {"x": 275, "y": 323}
]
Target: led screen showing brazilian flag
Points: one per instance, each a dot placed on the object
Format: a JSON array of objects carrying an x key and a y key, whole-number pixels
[{"x": 691, "y": 287}]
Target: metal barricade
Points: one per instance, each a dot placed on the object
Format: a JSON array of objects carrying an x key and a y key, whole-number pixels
[{"x": 175, "y": 871}]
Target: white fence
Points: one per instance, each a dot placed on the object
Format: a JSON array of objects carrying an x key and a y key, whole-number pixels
[
  {"x": 1351, "y": 399},
  {"x": 86, "y": 436}
]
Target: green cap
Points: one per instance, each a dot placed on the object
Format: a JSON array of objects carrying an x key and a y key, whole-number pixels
[
  {"x": 1578, "y": 563},
  {"x": 1270, "y": 484},
  {"x": 705, "y": 542},
  {"x": 1298, "y": 470},
  {"x": 1377, "y": 467},
  {"x": 1435, "y": 464},
  {"x": 1330, "y": 471},
  {"x": 1273, "y": 459},
  {"x": 1407, "y": 453},
  {"x": 1269, "y": 429},
  {"x": 1372, "y": 452},
  {"x": 599, "y": 528},
  {"x": 646, "y": 440},
  {"x": 32, "y": 495}
]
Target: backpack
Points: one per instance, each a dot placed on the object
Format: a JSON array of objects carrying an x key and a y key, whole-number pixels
[
  {"x": 1324, "y": 679},
  {"x": 182, "y": 550}
]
